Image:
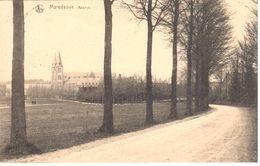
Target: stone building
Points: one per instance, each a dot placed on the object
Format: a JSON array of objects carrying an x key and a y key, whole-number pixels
[{"x": 72, "y": 80}]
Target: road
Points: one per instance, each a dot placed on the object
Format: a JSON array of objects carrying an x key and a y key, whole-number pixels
[{"x": 225, "y": 134}]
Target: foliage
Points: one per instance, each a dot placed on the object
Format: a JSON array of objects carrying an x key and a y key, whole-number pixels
[
  {"x": 128, "y": 90},
  {"x": 235, "y": 88},
  {"x": 246, "y": 66},
  {"x": 38, "y": 91}
]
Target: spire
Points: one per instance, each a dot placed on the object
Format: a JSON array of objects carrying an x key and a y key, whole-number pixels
[
  {"x": 59, "y": 60},
  {"x": 54, "y": 61}
]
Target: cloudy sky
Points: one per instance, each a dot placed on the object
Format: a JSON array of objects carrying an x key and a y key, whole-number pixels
[{"x": 78, "y": 34}]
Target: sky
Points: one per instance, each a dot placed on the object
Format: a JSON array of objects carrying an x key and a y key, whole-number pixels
[{"x": 78, "y": 34}]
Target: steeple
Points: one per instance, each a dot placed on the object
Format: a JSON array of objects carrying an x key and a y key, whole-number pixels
[
  {"x": 59, "y": 60},
  {"x": 57, "y": 71}
]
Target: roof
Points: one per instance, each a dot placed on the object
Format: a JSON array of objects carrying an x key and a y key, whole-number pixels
[
  {"x": 84, "y": 75},
  {"x": 86, "y": 81}
]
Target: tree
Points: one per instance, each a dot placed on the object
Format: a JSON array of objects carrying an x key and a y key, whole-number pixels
[
  {"x": 206, "y": 37},
  {"x": 18, "y": 120},
  {"x": 248, "y": 58},
  {"x": 235, "y": 87},
  {"x": 189, "y": 24},
  {"x": 175, "y": 21},
  {"x": 171, "y": 22},
  {"x": 18, "y": 140},
  {"x": 212, "y": 49},
  {"x": 152, "y": 12},
  {"x": 108, "y": 125}
]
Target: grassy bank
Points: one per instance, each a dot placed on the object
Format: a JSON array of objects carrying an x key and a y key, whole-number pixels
[{"x": 65, "y": 124}]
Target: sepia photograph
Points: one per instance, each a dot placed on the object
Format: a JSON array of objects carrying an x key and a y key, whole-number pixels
[{"x": 128, "y": 81}]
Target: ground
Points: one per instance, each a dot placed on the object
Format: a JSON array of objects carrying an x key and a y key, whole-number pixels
[
  {"x": 54, "y": 125},
  {"x": 225, "y": 134}
]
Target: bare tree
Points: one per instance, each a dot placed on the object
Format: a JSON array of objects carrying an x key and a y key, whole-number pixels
[
  {"x": 152, "y": 12},
  {"x": 212, "y": 39},
  {"x": 107, "y": 125},
  {"x": 18, "y": 140},
  {"x": 248, "y": 56},
  {"x": 18, "y": 121},
  {"x": 172, "y": 22},
  {"x": 249, "y": 44},
  {"x": 206, "y": 39},
  {"x": 190, "y": 7},
  {"x": 175, "y": 21}
]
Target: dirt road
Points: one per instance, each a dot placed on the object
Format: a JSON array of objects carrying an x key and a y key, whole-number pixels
[{"x": 223, "y": 135}]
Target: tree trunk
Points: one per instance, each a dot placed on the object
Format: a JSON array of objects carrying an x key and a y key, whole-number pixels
[
  {"x": 220, "y": 90},
  {"x": 107, "y": 125},
  {"x": 198, "y": 85},
  {"x": 203, "y": 88},
  {"x": 199, "y": 71},
  {"x": 189, "y": 60},
  {"x": 204, "y": 81},
  {"x": 149, "y": 83},
  {"x": 173, "y": 113},
  {"x": 227, "y": 90},
  {"x": 18, "y": 119},
  {"x": 207, "y": 89}
]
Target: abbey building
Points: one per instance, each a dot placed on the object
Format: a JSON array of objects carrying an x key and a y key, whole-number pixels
[{"x": 72, "y": 80}]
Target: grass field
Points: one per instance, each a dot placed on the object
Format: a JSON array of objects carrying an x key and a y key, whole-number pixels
[{"x": 65, "y": 124}]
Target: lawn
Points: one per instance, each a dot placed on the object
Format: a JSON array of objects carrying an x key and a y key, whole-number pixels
[{"x": 65, "y": 124}]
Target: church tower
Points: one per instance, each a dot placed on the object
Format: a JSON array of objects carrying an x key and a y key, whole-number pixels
[{"x": 57, "y": 72}]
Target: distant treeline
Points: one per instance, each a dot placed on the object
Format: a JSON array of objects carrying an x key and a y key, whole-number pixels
[
  {"x": 125, "y": 90},
  {"x": 38, "y": 91},
  {"x": 129, "y": 90}
]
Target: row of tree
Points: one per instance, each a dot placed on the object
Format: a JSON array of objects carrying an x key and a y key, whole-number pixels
[
  {"x": 237, "y": 81},
  {"x": 243, "y": 89},
  {"x": 201, "y": 29}
]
